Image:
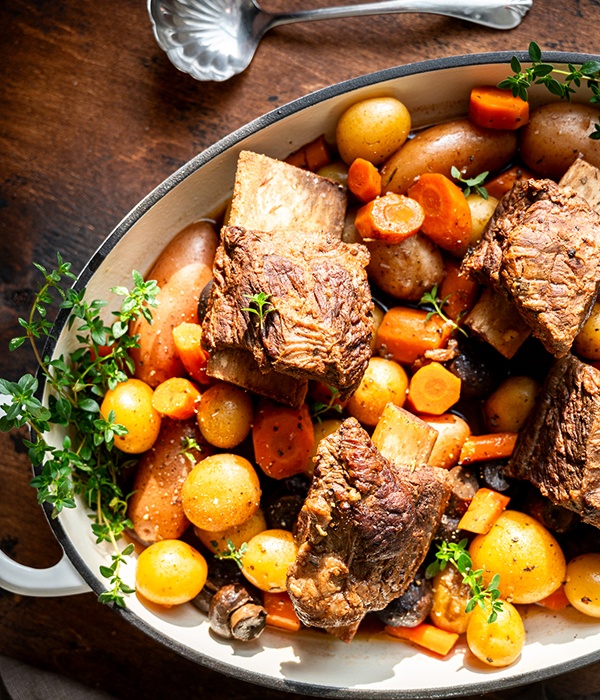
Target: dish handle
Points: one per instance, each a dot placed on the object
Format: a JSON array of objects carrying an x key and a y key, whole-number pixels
[{"x": 58, "y": 580}]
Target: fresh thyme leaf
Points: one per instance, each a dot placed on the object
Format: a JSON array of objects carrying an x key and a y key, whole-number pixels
[
  {"x": 86, "y": 464},
  {"x": 542, "y": 73},
  {"x": 319, "y": 408},
  {"x": 231, "y": 552},
  {"x": 473, "y": 183},
  {"x": 457, "y": 555},
  {"x": 432, "y": 298},
  {"x": 262, "y": 305},
  {"x": 189, "y": 445}
]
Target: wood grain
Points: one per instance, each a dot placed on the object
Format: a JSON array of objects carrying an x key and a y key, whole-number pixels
[{"x": 92, "y": 117}]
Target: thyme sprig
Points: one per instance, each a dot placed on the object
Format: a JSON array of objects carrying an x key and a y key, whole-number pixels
[
  {"x": 431, "y": 298},
  {"x": 457, "y": 555},
  {"x": 86, "y": 463},
  {"x": 543, "y": 73},
  {"x": 231, "y": 552},
  {"x": 473, "y": 183},
  {"x": 262, "y": 305},
  {"x": 319, "y": 408}
]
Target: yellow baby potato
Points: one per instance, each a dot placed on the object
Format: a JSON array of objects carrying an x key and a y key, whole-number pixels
[{"x": 267, "y": 558}]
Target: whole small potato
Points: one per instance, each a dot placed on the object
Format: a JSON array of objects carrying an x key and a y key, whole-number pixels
[
  {"x": 405, "y": 270},
  {"x": 384, "y": 381},
  {"x": 558, "y": 134},
  {"x": 470, "y": 148},
  {"x": 481, "y": 212},
  {"x": 131, "y": 401},
  {"x": 497, "y": 643},
  {"x": 582, "y": 586},
  {"x": 372, "y": 129},
  {"x": 587, "y": 341},
  {"x": 526, "y": 556},
  {"x": 238, "y": 534},
  {"x": 225, "y": 415},
  {"x": 506, "y": 410},
  {"x": 220, "y": 492},
  {"x": 267, "y": 558},
  {"x": 450, "y": 599}
]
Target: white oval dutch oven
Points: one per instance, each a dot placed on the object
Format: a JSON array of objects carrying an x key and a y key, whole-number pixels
[{"x": 309, "y": 662}]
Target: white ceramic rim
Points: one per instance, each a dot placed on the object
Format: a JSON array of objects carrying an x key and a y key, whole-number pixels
[{"x": 489, "y": 681}]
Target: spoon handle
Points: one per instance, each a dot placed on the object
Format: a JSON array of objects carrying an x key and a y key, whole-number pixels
[{"x": 497, "y": 14}]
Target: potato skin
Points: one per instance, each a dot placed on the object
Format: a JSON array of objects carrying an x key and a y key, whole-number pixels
[
  {"x": 384, "y": 381},
  {"x": 558, "y": 134},
  {"x": 406, "y": 270},
  {"x": 155, "y": 508},
  {"x": 436, "y": 149},
  {"x": 182, "y": 271},
  {"x": 587, "y": 341}
]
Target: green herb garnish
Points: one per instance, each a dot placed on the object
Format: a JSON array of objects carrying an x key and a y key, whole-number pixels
[
  {"x": 86, "y": 464},
  {"x": 458, "y": 556},
  {"x": 231, "y": 552},
  {"x": 262, "y": 305},
  {"x": 319, "y": 408},
  {"x": 189, "y": 445},
  {"x": 432, "y": 298},
  {"x": 543, "y": 73},
  {"x": 473, "y": 183}
]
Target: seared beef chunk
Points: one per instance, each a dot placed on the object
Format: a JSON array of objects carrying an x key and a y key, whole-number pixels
[
  {"x": 559, "y": 448},
  {"x": 319, "y": 320},
  {"x": 541, "y": 249},
  {"x": 363, "y": 531}
]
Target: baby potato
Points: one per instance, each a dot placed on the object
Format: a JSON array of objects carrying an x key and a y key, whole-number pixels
[
  {"x": 267, "y": 558},
  {"x": 507, "y": 409},
  {"x": 587, "y": 341},
  {"x": 582, "y": 586},
  {"x": 497, "y": 643},
  {"x": 450, "y": 599},
  {"x": 238, "y": 534},
  {"x": 323, "y": 429},
  {"x": 372, "y": 129},
  {"x": 408, "y": 269},
  {"x": 436, "y": 149},
  {"x": 225, "y": 415},
  {"x": 220, "y": 492},
  {"x": 526, "y": 556},
  {"x": 131, "y": 401},
  {"x": 557, "y": 134},
  {"x": 481, "y": 212},
  {"x": 383, "y": 382},
  {"x": 170, "y": 572}
]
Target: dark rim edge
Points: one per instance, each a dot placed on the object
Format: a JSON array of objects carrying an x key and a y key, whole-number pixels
[{"x": 123, "y": 227}]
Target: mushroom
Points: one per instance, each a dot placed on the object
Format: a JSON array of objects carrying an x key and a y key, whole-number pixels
[{"x": 234, "y": 613}]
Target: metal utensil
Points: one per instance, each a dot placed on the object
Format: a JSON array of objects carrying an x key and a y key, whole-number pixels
[{"x": 216, "y": 39}]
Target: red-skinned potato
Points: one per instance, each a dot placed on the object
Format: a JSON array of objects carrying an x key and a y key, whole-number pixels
[
  {"x": 436, "y": 149},
  {"x": 182, "y": 271},
  {"x": 558, "y": 134},
  {"x": 155, "y": 508}
]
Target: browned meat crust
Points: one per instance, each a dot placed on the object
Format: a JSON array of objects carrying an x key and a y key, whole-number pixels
[
  {"x": 559, "y": 449},
  {"x": 541, "y": 249},
  {"x": 363, "y": 532},
  {"x": 321, "y": 321}
]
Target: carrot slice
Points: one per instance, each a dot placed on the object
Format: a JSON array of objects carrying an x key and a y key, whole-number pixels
[
  {"x": 427, "y": 636},
  {"x": 555, "y": 601},
  {"x": 479, "y": 448},
  {"x": 283, "y": 439},
  {"x": 494, "y": 108},
  {"x": 460, "y": 291},
  {"x": 448, "y": 220},
  {"x": 176, "y": 398},
  {"x": 433, "y": 389},
  {"x": 391, "y": 218},
  {"x": 501, "y": 184},
  {"x": 364, "y": 180},
  {"x": 311, "y": 156},
  {"x": 280, "y": 611},
  {"x": 483, "y": 511},
  {"x": 405, "y": 334},
  {"x": 187, "y": 338}
]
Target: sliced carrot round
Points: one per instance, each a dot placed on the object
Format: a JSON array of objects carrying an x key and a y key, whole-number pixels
[
  {"x": 364, "y": 180},
  {"x": 391, "y": 218},
  {"x": 493, "y": 108},
  {"x": 176, "y": 398}
]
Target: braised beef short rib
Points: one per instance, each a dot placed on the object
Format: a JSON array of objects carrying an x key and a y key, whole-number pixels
[
  {"x": 363, "y": 531},
  {"x": 318, "y": 321},
  {"x": 541, "y": 249},
  {"x": 559, "y": 448}
]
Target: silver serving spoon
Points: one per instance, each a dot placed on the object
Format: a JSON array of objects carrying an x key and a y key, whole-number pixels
[{"x": 216, "y": 39}]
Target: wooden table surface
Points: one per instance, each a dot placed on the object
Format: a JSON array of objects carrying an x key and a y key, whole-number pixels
[{"x": 92, "y": 117}]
